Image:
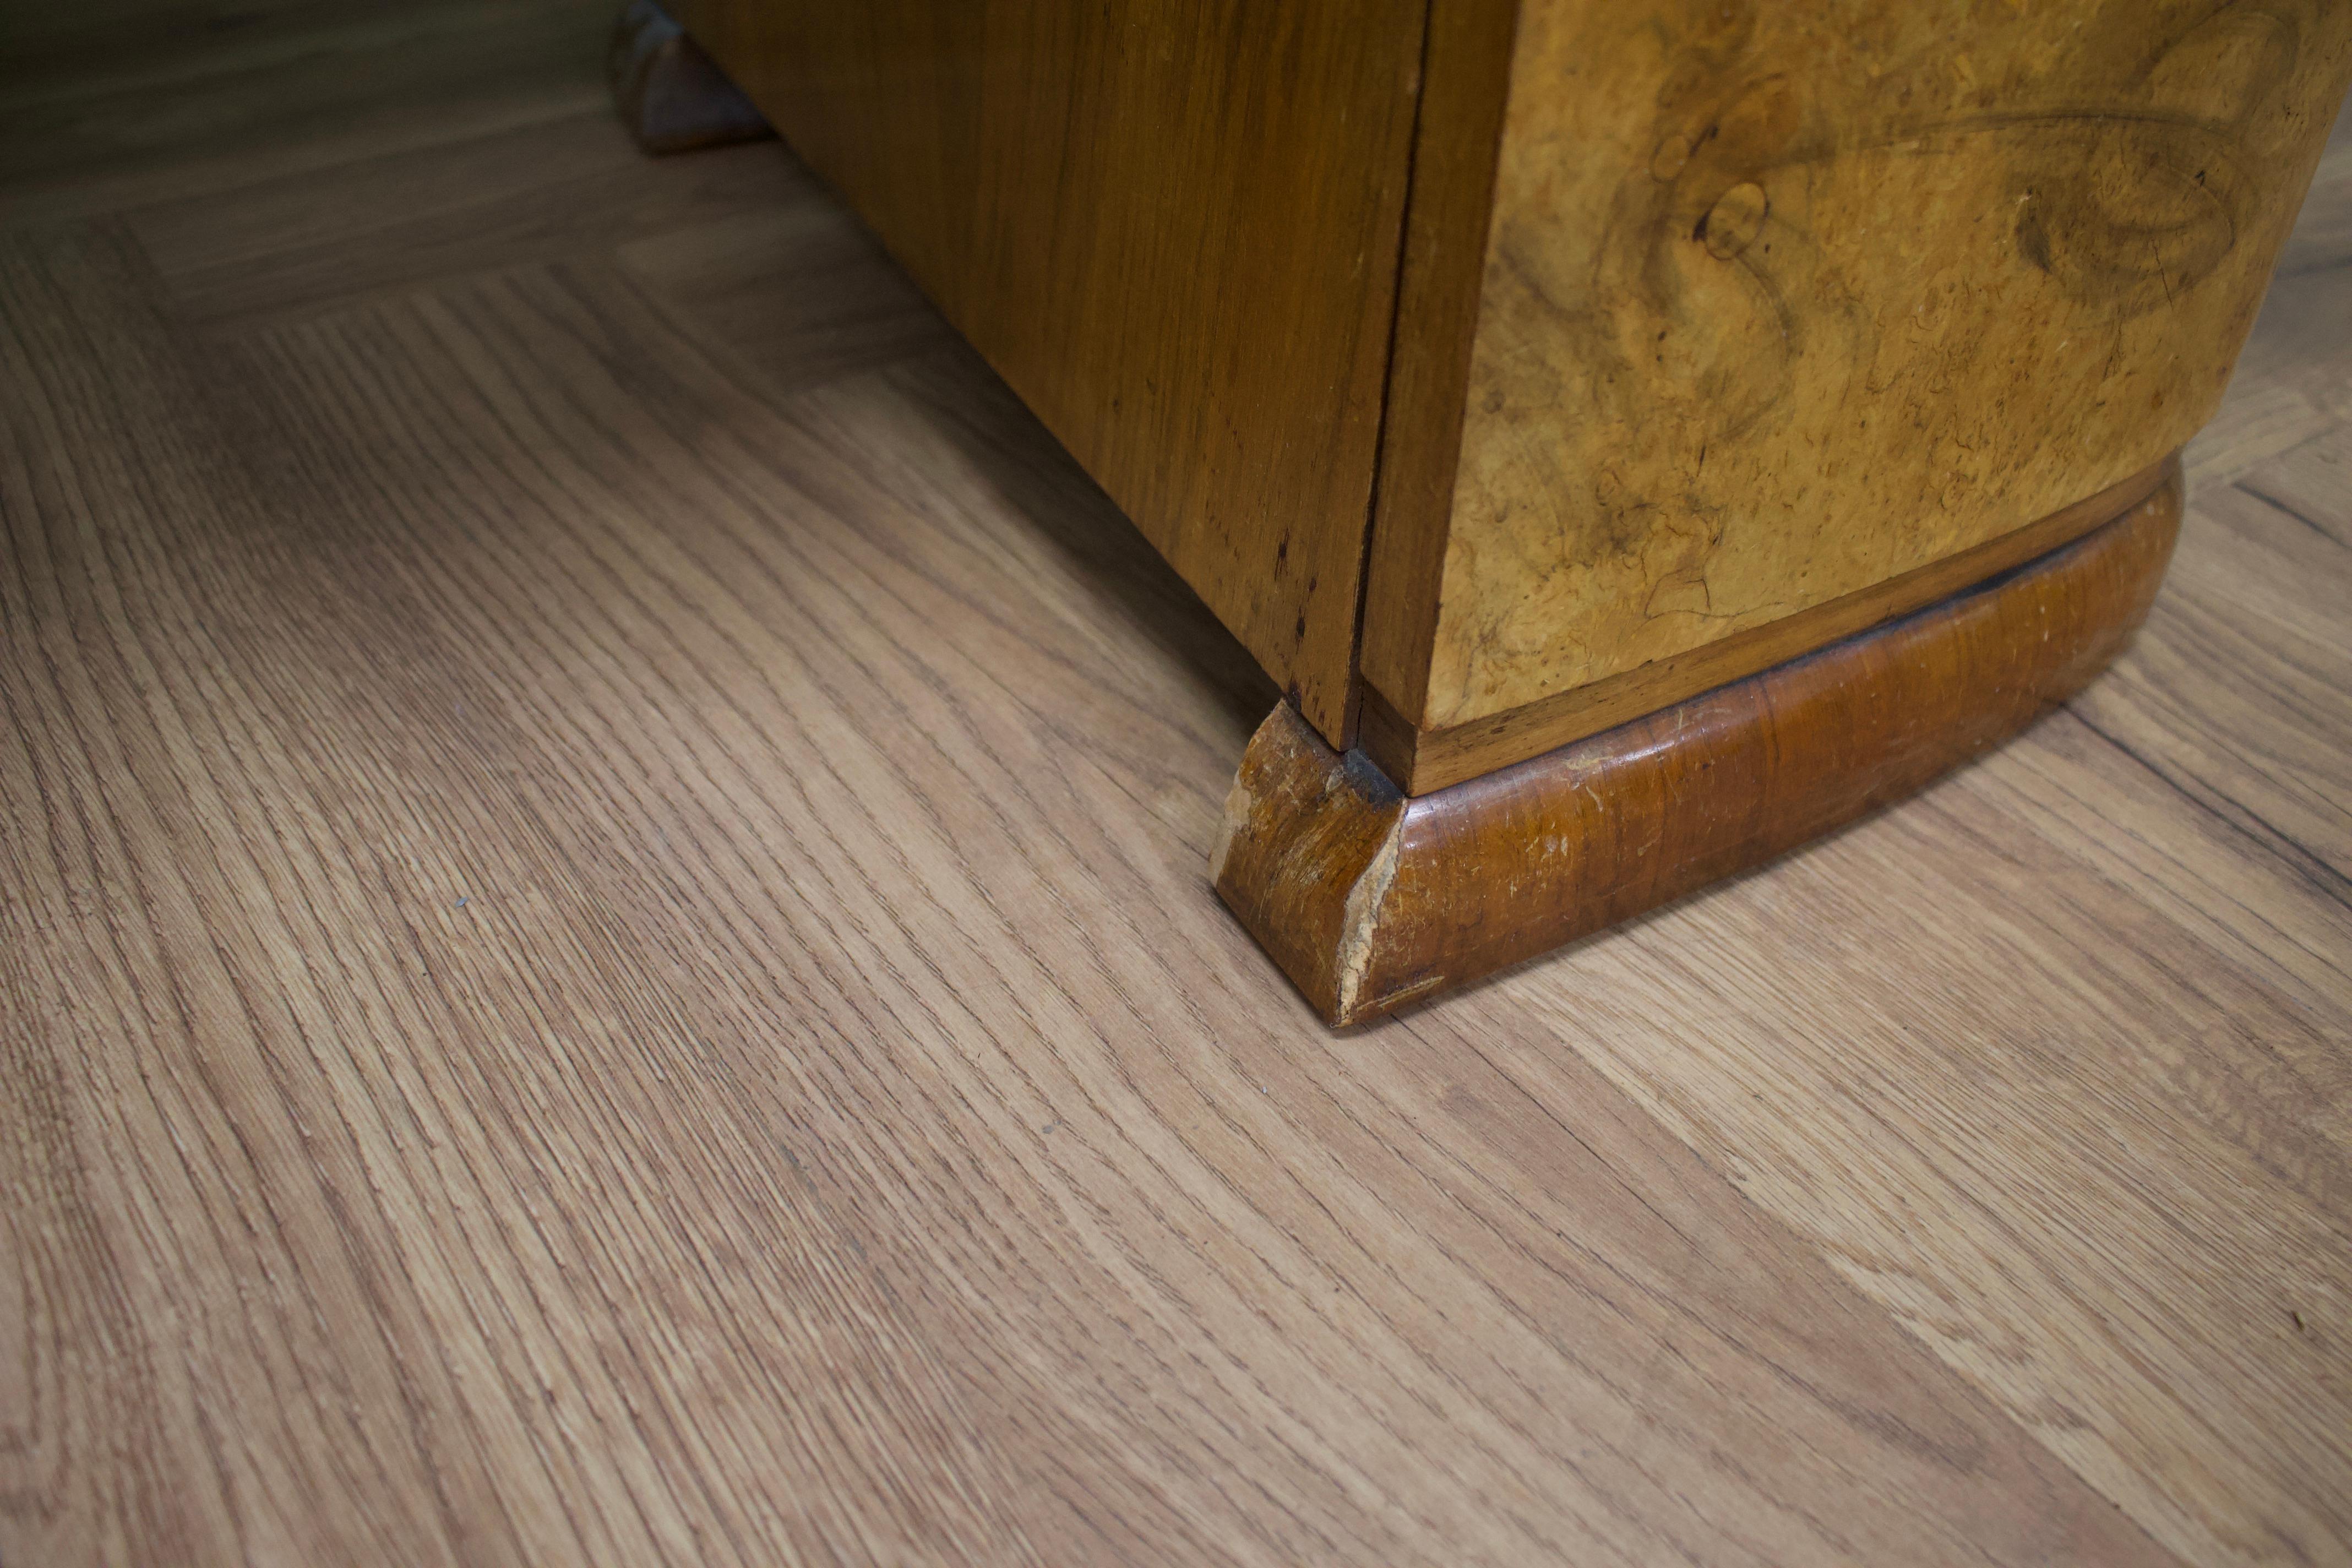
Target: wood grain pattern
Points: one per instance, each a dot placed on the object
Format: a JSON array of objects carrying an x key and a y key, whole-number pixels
[
  {"x": 838, "y": 1124},
  {"x": 1370, "y": 899},
  {"x": 1421, "y": 760},
  {"x": 1458, "y": 143},
  {"x": 1172, "y": 228},
  {"x": 1781, "y": 302},
  {"x": 2206, "y": 776},
  {"x": 603, "y": 1183},
  {"x": 111, "y": 104}
]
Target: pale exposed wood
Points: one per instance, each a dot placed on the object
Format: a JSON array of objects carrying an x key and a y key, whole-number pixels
[
  {"x": 1783, "y": 301},
  {"x": 1173, "y": 228},
  {"x": 841, "y": 1125}
]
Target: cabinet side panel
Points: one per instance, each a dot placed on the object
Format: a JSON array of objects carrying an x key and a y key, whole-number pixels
[
  {"x": 1172, "y": 228},
  {"x": 1782, "y": 301}
]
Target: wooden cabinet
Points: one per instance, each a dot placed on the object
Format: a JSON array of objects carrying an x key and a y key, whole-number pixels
[
  {"x": 1503, "y": 371},
  {"x": 1770, "y": 306},
  {"x": 1171, "y": 225}
]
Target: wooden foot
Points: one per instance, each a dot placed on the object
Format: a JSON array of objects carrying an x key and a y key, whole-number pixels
[
  {"x": 671, "y": 95},
  {"x": 1370, "y": 899}
]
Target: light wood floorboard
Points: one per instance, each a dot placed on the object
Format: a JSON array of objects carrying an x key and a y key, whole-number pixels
[{"x": 605, "y": 954}]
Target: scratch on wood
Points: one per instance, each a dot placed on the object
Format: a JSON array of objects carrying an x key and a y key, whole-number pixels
[{"x": 1360, "y": 925}]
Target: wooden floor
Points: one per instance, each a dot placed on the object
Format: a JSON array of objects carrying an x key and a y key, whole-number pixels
[{"x": 604, "y": 953}]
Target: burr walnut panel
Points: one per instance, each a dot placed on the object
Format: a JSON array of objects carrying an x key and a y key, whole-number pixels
[{"x": 1782, "y": 301}]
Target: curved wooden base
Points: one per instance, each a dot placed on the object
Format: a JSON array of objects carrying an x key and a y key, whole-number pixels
[
  {"x": 671, "y": 95},
  {"x": 1370, "y": 899}
]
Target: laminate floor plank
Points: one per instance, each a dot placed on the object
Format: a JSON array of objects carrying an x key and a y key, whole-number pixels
[
  {"x": 2311, "y": 483},
  {"x": 605, "y": 954},
  {"x": 829, "y": 1044},
  {"x": 120, "y": 106},
  {"x": 1171, "y": 1142},
  {"x": 2099, "y": 1152},
  {"x": 296, "y": 243},
  {"x": 844, "y": 309}
]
